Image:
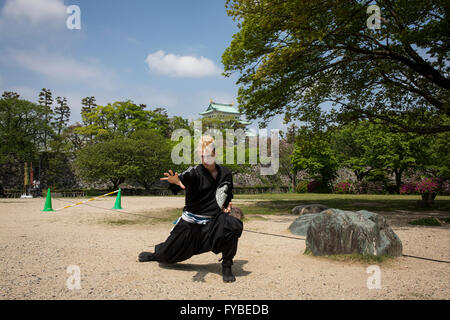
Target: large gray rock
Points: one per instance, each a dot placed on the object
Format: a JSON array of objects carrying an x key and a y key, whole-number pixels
[
  {"x": 301, "y": 224},
  {"x": 308, "y": 208},
  {"x": 335, "y": 231}
]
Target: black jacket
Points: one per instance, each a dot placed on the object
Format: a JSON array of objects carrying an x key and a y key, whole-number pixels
[{"x": 204, "y": 195}]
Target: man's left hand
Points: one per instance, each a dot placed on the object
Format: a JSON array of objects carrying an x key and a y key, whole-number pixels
[{"x": 227, "y": 209}]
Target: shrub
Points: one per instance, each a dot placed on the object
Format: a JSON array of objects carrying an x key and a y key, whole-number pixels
[
  {"x": 390, "y": 188},
  {"x": 318, "y": 187},
  {"x": 313, "y": 186},
  {"x": 375, "y": 187},
  {"x": 343, "y": 187},
  {"x": 360, "y": 187},
  {"x": 368, "y": 187},
  {"x": 428, "y": 185},
  {"x": 302, "y": 186},
  {"x": 408, "y": 188}
]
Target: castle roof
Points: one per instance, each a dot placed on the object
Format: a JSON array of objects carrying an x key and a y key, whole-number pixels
[{"x": 221, "y": 107}]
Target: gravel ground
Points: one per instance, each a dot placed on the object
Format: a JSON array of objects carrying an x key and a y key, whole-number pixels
[{"x": 38, "y": 247}]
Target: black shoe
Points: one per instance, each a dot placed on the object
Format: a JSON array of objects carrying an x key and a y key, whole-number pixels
[
  {"x": 146, "y": 256},
  {"x": 227, "y": 274}
]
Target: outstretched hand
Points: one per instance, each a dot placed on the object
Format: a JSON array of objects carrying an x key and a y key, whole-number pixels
[{"x": 173, "y": 179}]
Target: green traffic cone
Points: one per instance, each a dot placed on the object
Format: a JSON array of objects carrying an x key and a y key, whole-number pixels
[
  {"x": 118, "y": 204},
  {"x": 48, "y": 202}
]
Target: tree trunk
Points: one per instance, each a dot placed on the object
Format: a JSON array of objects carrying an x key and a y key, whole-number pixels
[
  {"x": 145, "y": 184},
  {"x": 428, "y": 198},
  {"x": 398, "y": 179},
  {"x": 360, "y": 175},
  {"x": 294, "y": 181},
  {"x": 116, "y": 183}
]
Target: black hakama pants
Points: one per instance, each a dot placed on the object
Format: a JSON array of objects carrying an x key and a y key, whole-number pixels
[{"x": 220, "y": 234}]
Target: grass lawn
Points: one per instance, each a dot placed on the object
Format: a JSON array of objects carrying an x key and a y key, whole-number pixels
[{"x": 284, "y": 202}]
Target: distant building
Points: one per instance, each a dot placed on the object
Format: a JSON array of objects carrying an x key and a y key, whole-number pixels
[{"x": 223, "y": 111}]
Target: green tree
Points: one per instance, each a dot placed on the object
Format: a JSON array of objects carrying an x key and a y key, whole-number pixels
[
  {"x": 159, "y": 120},
  {"x": 88, "y": 106},
  {"x": 178, "y": 122},
  {"x": 115, "y": 119},
  {"x": 62, "y": 115},
  {"x": 395, "y": 152},
  {"x": 369, "y": 148},
  {"x": 152, "y": 156},
  {"x": 122, "y": 118},
  {"x": 287, "y": 146},
  {"x": 46, "y": 101},
  {"x": 73, "y": 137},
  {"x": 435, "y": 155},
  {"x": 352, "y": 150},
  {"x": 86, "y": 114},
  {"x": 108, "y": 161},
  {"x": 58, "y": 170},
  {"x": 313, "y": 152},
  {"x": 286, "y": 166},
  {"x": 22, "y": 126},
  {"x": 293, "y": 56}
]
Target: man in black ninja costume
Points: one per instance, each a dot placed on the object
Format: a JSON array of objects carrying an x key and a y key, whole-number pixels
[{"x": 205, "y": 224}]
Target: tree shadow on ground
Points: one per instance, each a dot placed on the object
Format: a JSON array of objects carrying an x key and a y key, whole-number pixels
[
  {"x": 285, "y": 206},
  {"x": 204, "y": 269}
]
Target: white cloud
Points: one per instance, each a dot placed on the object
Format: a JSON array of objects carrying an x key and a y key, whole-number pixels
[
  {"x": 25, "y": 92},
  {"x": 60, "y": 68},
  {"x": 36, "y": 11},
  {"x": 181, "y": 66}
]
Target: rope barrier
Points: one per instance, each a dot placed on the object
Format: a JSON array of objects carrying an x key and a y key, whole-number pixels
[
  {"x": 422, "y": 258},
  {"x": 83, "y": 202},
  {"x": 251, "y": 231},
  {"x": 115, "y": 211},
  {"x": 297, "y": 238},
  {"x": 275, "y": 235}
]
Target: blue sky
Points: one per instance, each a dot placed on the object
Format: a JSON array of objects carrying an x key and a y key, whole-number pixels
[{"x": 160, "y": 53}]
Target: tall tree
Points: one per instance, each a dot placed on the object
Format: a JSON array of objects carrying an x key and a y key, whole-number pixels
[
  {"x": 62, "y": 114},
  {"x": 286, "y": 166},
  {"x": 46, "y": 100},
  {"x": 293, "y": 56},
  {"x": 88, "y": 107},
  {"x": 88, "y": 104},
  {"x": 287, "y": 146},
  {"x": 7, "y": 95}
]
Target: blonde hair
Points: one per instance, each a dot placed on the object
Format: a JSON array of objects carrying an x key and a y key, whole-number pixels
[{"x": 206, "y": 142}]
